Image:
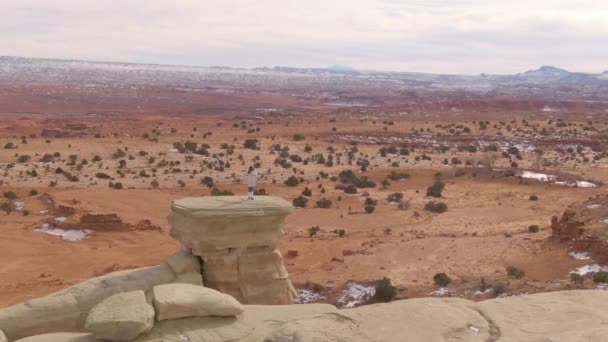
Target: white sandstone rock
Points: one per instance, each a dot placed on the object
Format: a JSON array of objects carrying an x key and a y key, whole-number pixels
[
  {"x": 190, "y": 278},
  {"x": 61, "y": 337},
  {"x": 185, "y": 300},
  {"x": 121, "y": 317},
  {"x": 38, "y": 316},
  {"x": 183, "y": 262},
  {"x": 2, "y": 337}
]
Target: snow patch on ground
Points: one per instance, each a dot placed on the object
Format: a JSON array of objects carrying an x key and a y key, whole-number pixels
[
  {"x": 580, "y": 255},
  {"x": 18, "y": 206},
  {"x": 60, "y": 219},
  {"x": 306, "y": 296},
  {"x": 354, "y": 294},
  {"x": 440, "y": 292},
  {"x": 543, "y": 177},
  {"x": 67, "y": 235},
  {"x": 584, "y": 270},
  {"x": 594, "y": 206}
]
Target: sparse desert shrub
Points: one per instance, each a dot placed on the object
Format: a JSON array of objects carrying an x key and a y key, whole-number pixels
[
  {"x": 534, "y": 228},
  {"x": 26, "y": 213},
  {"x": 394, "y": 176},
  {"x": 515, "y": 272},
  {"x": 600, "y": 277},
  {"x": 349, "y": 177},
  {"x": 119, "y": 154},
  {"x": 251, "y": 144},
  {"x": 339, "y": 232},
  {"x": 300, "y": 202},
  {"x": 306, "y": 192},
  {"x": 7, "y": 207},
  {"x": 533, "y": 198},
  {"x": 395, "y": 197},
  {"x": 292, "y": 181},
  {"x": 312, "y": 231},
  {"x": 260, "y": 192},
  {"x": 324, "y": 203},
  {"x": 442, "y": 279},
  {"x": 436, "y": 189},
  {"x": 298, "y": 137},
  {"x": 24, "y": 158},
  {"x": 577, "y": 279},
  {"x": 218, "y": 192},
  {"x": 369, "y": 209},
  {"x": 33, "y": 192},
  {"x": 154, "y": 184},
  {"x": 208, "y": 182},
  {"x": 117, "y": 185},
  {"x": 385, "y": 291},
  {"x": 436, "y": 207},
  {"x": 10, "y": 195},
  {"x": 350, "y": 189},
  {"x": 370, "y": 201}
]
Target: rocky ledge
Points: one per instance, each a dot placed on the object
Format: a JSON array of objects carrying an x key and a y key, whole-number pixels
[{"x": 557, "y": 316}]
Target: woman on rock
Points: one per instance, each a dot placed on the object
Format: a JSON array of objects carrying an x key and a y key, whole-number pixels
[{"x": 250, "y": 183}]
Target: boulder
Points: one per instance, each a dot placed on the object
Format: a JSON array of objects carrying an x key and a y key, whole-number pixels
[
  {"x": 61, "y": 337},
  {"x": 121, "y": 317},
  {"x": 173, "y": 301},
  {"x": 91, "y": 292},
  {"x": 38, "y": 316},
  {"x": 183, "y": 262}
]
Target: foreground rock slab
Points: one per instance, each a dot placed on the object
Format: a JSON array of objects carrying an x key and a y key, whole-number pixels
[
  {"x": 173, "y": 301},
  {"x": 121, "y": 317},
  {"x": 556, "y": 317}
]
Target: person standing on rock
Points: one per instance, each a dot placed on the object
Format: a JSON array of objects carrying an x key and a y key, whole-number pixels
[{"x": 250, "y": 183}]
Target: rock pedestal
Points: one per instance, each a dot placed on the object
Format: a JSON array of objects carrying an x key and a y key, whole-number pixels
[{"x": 237, "y": 240}]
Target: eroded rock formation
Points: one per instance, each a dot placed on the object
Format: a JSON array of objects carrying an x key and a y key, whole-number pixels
[
  {"x": 585, "y": 227},
  {"x": 237, "y": 240}
]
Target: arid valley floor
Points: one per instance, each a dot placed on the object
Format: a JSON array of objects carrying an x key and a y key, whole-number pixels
[{"x": 88, "y": 176}]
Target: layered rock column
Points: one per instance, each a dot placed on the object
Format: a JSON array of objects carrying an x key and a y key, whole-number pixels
[{"x": 237, "y": 240}]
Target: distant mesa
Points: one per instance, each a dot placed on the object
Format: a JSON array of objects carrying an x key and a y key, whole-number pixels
[
  {"x": 547, "y": 70},
  {"x": 341, "y": 68}
]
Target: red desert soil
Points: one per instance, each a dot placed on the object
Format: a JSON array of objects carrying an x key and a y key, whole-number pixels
[{"x": 484, "y": 230}]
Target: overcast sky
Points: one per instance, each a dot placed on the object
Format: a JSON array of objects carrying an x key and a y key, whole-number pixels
[{"x": 441, "y": 36}]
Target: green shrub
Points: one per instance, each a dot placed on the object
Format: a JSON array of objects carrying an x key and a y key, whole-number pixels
[
  {"x": 10, "y": 195},
  {"x": 207, "y": 181},
  {"x": 442, "y": 279},
  {"x": 600, "y": 277},
  {"x": 533, "y": 228},
  {"x": 385, "y": 291},
  {"x": 436, "y": 189},
  {"x": 533, "y": 198},
  {"x": 300, "y": 202},
  {"x": 369, "y": 209},
  {"x": 350, "y": 189},
  {"x": 292, "y": 181},
  {"x": 33, "y": 192},
  {"x": 438, "y": 207},
  {"x": 324, "y": 203},
  {"x": 306, "y": 192},
  {"x": 312, "y": 231},
  {"x": 218, "y": 192},
  {"x": 515, "y": 272},
  {"x": 577, "y": 279},
  {"x": 102, "y": 175},
  {"x": 370, "y": 201}
]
